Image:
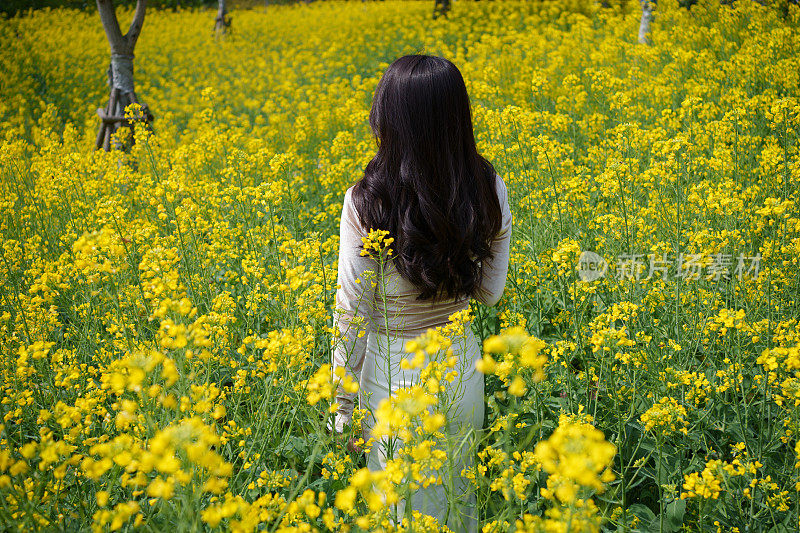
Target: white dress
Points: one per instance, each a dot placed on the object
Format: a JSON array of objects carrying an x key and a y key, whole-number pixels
[{"x": 375, "y": 327}]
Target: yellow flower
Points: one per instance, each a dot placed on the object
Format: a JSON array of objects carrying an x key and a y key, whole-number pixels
[
  {"x": 517, "y": 387},
  {"x": 576, "y": 455},
  {"x": 346, "y": 499},
  {"x": 102, "y": 498},
  {"x": 665, "y": 417},
  {"x": 706, "y": 484}
]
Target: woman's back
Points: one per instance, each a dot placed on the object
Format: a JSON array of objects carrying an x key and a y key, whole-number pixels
[
  {"x": 379, "y": 313},
  {"x": 398, "y": 310},
  {"x": 448, "y": 215}
]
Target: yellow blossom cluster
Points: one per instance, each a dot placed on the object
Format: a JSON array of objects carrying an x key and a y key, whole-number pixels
[
  {"x": 576, "y": 455},
  {"x": 665, "y": 418},
  {"x": 377, "y": 244},
  {"x": 513, "y": 350}
]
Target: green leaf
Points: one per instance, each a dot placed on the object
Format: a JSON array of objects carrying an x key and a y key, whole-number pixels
[
  {"x": 673, "y": 515},
  {"x": 643, "y": 512}
]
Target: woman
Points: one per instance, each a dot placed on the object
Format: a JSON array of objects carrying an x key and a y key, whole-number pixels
[{"x": 448, "y": 213}]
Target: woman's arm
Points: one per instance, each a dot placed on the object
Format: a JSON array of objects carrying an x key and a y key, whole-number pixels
[
  {"x": 495, "y": 269},
  {"x": 354, "y": 302}
]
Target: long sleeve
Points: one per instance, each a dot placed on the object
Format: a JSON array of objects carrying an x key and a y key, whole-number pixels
[
  {"x": 495, "y": 269},
  {"x": 354, "y": 304}
]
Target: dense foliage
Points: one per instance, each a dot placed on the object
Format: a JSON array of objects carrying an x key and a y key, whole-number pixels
[
  {"x": 165, "y": 320},
  {"x": 21, "y": 7}
]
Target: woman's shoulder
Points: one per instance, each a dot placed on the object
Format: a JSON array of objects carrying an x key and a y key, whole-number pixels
[
  {"x": 347, "y": 200},
  {"x": 349, "y": 212},
  {"x": 352, "y": 193},
  {"x": 505, "y": 208},
  {"x": 500, "y": 187}
]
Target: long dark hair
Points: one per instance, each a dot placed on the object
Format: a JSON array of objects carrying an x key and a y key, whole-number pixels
[{"x": 427, "y": 185}]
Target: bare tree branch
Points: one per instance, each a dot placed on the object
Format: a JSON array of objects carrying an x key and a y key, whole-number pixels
[
  {"x": 136, "y": 24},
  {"x": 108, "y": 16}
]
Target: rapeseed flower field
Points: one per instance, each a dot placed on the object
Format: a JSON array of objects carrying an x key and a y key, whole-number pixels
[{"x": 165, "y": 322}]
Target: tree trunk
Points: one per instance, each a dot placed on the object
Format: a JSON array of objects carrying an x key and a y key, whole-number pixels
[
  {"x": 222, "y": 22},
  {"x": 647, "y": 18},
  {"x": 120, "y": 74},
  {"x": 441, "y": 7}
]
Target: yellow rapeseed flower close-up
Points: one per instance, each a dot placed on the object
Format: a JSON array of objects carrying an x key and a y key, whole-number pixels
[{"x": 172, "y": 232}]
